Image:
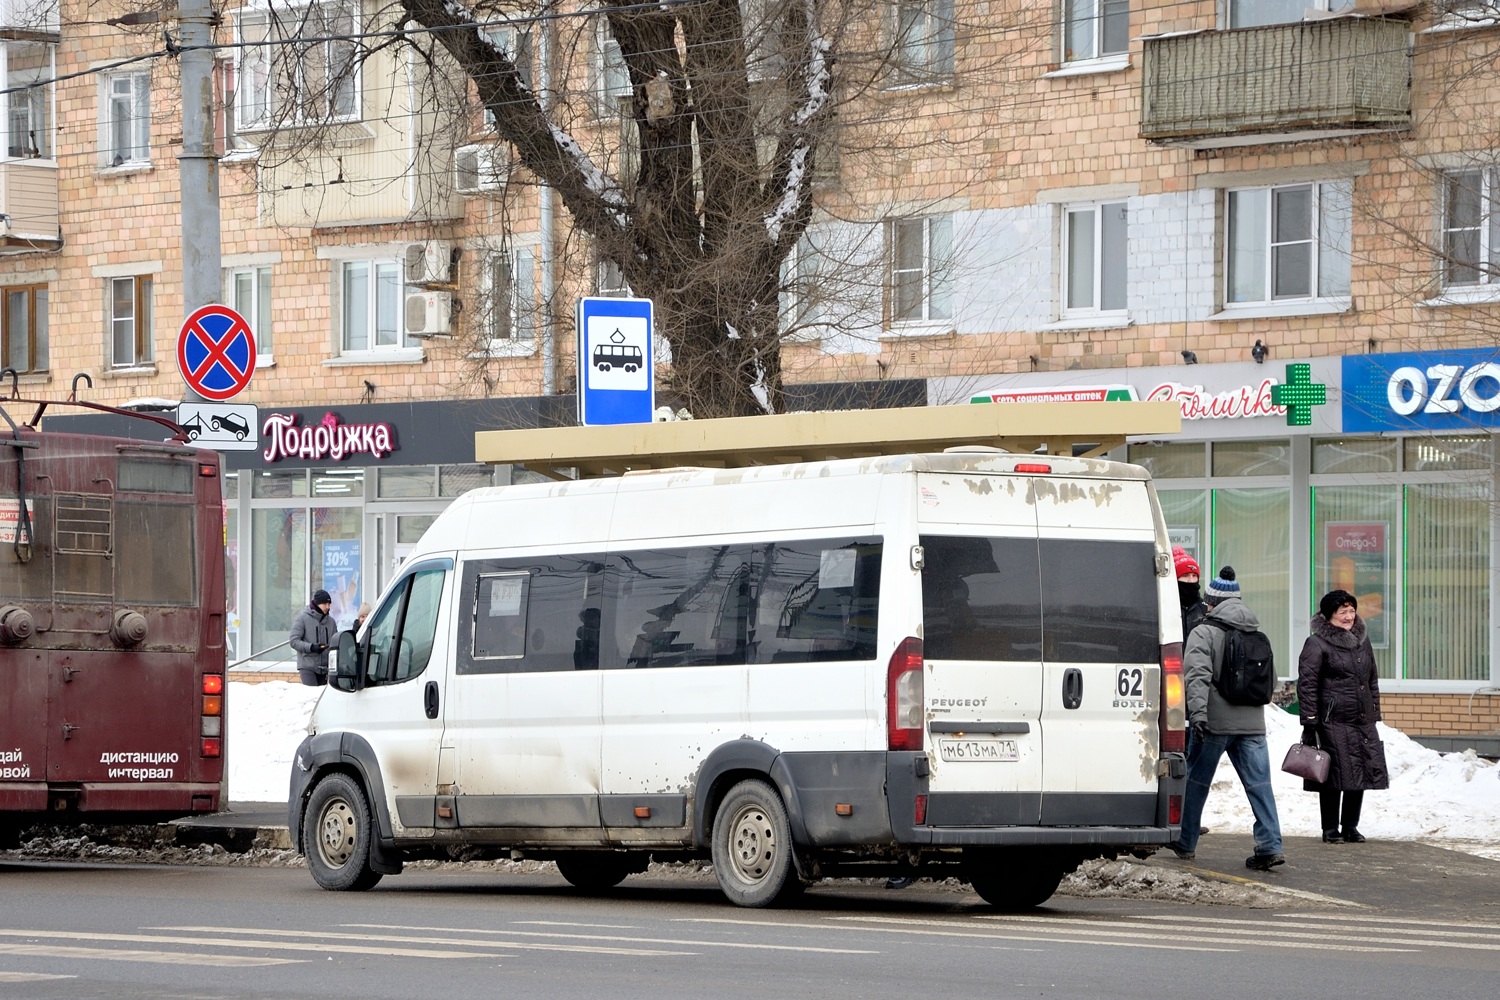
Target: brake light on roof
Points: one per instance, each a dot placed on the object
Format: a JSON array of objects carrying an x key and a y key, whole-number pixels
[
  {"x": 1034, "y": 467},
  {"x": 1173, "y": 700},
  {"x": 904, "y": 700}
]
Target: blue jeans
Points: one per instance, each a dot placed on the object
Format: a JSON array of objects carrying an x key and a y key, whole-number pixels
[{"x": 1253, "y": 764}]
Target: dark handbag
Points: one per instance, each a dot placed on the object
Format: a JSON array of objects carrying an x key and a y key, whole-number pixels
[{"x": 1308, "y": 763}]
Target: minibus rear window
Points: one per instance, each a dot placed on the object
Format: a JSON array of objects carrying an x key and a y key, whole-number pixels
[{"x": 1065, "y": 600}]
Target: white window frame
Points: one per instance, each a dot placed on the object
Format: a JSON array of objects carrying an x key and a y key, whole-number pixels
[
  {"x": 609, "y": 280},
  {"x": 802, "y": 312},
  {"x": 1084, "y": 31},
  {"x": 27, "y": 108},
  {"x": 266, "y": 73},
  {"x": 1292, "y": 14},
  {"x": 403, "y": 347},
  {"x": 610, "y": 75},
  {"x": 1100, "y": 259},
  {"x": 922, "y": 42},
  {"x": 935, "y": 296},
  {"x": 135, "y": 321},
  {"x": 257, "y": 309},
  {"x": 1322, "y": 230},
  {"x": 125, "y": 104},
  {"x": 510, "y": 287},
  {"x": 1486, "y": 227}
]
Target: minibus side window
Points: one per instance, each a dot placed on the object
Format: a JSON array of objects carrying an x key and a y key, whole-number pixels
[
  {"x": 677, "y": 607},
  {"x": 981, "y": 599},
  {"x": 529, "y": 615},
  {"x": 419, "y": 627},
  {"x": 1099, "y": 601},
  {"x": 816, "y": 600},
  {"x": 402, "y": 630}
]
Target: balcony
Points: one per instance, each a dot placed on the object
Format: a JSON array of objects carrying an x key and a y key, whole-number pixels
[
  {"x": 28, "y": 206},
  {"x": 1280, "y": 83}
]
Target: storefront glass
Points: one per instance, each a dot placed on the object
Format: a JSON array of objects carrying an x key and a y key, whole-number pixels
[
  {"x": 1252, "y": 533},
  {"x": 1447, "y": 581},
  {"x": 1355, "y": 546},
  {"x": 279, "y": 590}
]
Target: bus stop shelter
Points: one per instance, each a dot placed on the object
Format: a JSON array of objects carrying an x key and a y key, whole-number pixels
[{"x": 1089, "y": 429}]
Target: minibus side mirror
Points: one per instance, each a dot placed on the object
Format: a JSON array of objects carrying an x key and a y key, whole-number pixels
[{"x": 350, "y": 669}]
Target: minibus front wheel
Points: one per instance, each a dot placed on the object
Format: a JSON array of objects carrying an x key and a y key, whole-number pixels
[
  {"x": 336, "y": 832},
  {"x": 752, "y": 846}
]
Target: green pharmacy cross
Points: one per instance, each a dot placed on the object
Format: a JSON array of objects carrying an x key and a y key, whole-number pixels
[{"x": 1299, "y": 394}]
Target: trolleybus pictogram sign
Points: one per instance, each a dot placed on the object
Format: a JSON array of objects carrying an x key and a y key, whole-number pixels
[{"x": 216, "y": 352}]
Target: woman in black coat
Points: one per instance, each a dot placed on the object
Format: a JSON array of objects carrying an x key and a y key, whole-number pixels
[{"x": 1339, "y": 695}]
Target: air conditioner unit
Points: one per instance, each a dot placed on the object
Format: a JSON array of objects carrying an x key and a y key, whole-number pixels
[
  {"x": 429, "y": 314},
  {"x": 481, "y": 168},
  {"x": 428, "y": 263}
]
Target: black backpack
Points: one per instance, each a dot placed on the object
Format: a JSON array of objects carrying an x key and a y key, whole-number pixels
[{"x": 1247, "y": 675}]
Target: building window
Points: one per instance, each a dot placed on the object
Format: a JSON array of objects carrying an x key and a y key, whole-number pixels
[
  {"x": 298, "y": 64},
  {"x": 611, "y": 281},
  {"x": 1471, "y": 227},
  {"x": 1289, "y": 243},
  {"x": 1094, "y": 255},
  {"x": 512, "y": 298},
  {"x": 129, "y": 321},
  {"x": 23, "y": 329},
  {"x": 1095, "y": 28},
  {"x": 125, "y": 119},
  {"x": 611, "y": 77},
  {"x": 28, "y": 84},
  {"x": 1254, "y": 13},
  {"x": 250, "y": 293},
  {"x": 372, "y": 294},
  {"x": 922, "y": 41},
  {"x": 920, "y": 252}
]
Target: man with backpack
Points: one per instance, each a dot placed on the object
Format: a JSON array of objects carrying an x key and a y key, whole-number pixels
[{"x": 1229, "y": 673}]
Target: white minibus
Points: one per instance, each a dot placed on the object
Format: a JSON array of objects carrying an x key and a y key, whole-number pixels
[{"x": 965, "y": 664}]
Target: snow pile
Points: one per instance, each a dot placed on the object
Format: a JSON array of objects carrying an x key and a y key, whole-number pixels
[
  {"x": 1449, "y": 800},
  {"x": 267, "y": 721}
]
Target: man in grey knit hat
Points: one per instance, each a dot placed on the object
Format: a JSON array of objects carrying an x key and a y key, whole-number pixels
[{"x": 1221, "y": 727}]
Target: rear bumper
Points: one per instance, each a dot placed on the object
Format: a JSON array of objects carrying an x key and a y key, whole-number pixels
[{"x": 145, "y": 797}]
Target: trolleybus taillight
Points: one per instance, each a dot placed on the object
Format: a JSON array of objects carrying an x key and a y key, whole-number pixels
[
  {"x": 211, "y": 722},
  {"x": 904, "y": 701},
  {"x": 1173, "y": 699}
]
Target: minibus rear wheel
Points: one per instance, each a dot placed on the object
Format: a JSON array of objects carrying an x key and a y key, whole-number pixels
[
  {"x": 595, "y": 872},
  {"x": 336, "y": 833},
  {"x": 1015, "y": 887},
  {"x": 752, "y": 846}
]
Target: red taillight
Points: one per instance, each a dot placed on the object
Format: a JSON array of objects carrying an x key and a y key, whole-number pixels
[
  {"x": 921, "y": 811},
  {"x": 1173, "y": 700},
  {"x": 213, "y": 683},
  {"x": 1174, "y": 810},
  {"x": 903, "y": 696},
  {"x": 212, "y": 746},
  {"x": 1033, "y": 467},
  {"x": 207, "y": 470}
]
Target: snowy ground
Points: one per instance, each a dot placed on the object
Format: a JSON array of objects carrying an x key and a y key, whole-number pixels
[{"x": 1450, "y": 800}]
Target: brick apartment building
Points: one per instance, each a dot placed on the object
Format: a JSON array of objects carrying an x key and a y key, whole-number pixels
[{"x": 1090, "y": 197}]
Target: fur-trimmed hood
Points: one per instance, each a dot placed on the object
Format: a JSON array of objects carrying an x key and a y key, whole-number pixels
[{"x": 1343, "y": 638}]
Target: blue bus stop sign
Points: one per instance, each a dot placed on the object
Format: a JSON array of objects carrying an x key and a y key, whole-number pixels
[{"x": 616, "y": 380}]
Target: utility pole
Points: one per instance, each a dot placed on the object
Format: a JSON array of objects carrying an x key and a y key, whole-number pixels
[{"x": 198, "y": 164}]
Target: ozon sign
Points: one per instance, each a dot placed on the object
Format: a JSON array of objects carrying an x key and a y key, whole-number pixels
[
  {"x": 1445, "y": 389},
  {"x": 1426, "y": 391}
]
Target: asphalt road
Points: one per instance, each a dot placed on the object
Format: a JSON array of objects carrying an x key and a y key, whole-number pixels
[{"x": 69, "y": 932}]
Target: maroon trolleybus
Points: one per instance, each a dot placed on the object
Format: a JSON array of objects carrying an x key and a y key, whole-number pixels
[{"x": 112, "y": 683}]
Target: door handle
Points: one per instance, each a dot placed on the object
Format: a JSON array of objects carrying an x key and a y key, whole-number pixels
[
  {"x": 430, "y": 699},
  {"x": 1072, "y": 691}
]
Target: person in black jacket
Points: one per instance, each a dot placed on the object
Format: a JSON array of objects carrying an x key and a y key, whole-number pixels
[
  {"x": 1194, "y": 610},
  {"x": 1338, "y": 693},
  {"x": 311, "y": 635}
]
